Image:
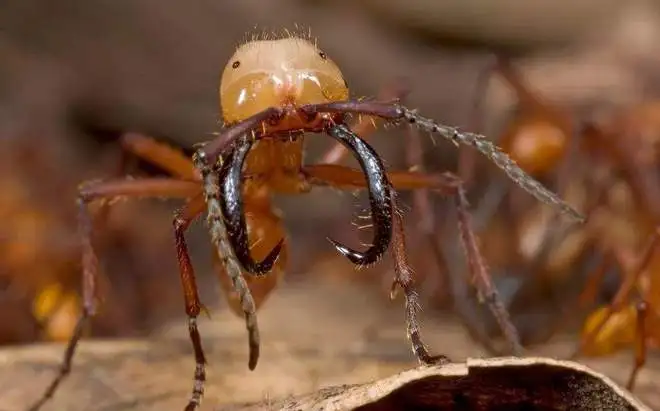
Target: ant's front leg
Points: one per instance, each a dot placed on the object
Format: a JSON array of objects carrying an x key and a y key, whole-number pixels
[
  {"x": 404, "y": 279},
  {"x": 183, "y": 217},
  {"x": 447, "y": 184},
  {"x": 349, "y": 179},
  {"x": 104, "y": 190}
]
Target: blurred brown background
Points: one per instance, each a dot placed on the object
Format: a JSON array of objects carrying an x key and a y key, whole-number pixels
[{"x": 74, "y": 75}]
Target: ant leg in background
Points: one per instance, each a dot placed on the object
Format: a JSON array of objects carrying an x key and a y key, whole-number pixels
[
  {"x": 447, "y": 184},
  {"x": 105, "y": 190},
  {"x": 642, "y": 309},
  {"x": 588, "y": 295}
]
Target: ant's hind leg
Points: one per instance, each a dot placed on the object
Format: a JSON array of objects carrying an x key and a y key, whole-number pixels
[{"x": 104, "y": 190}]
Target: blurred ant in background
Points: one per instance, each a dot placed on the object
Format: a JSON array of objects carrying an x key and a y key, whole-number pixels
[{"x": 608, "y": 167}]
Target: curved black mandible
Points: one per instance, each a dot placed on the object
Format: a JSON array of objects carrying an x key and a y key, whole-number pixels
[
  {"x": 380, "y": 196},
  {"x": 231, "y": 202}
]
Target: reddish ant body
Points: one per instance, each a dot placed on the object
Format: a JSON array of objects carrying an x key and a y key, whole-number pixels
[{"x": 272, "y": 92}]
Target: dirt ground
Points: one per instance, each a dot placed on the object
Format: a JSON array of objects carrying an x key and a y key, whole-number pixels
[{"x": 307, "y": 344}]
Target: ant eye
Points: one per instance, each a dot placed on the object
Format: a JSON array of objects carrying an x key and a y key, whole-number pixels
[
  {"x": 235, "y": 64},
  {"x": 323, "y": 55}
]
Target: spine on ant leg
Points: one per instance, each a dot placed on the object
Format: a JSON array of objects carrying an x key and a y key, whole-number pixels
[{"x": 219, "y": 237}]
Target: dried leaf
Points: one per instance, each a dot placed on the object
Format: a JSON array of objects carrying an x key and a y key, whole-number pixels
[{"x": 478, "y": 384}]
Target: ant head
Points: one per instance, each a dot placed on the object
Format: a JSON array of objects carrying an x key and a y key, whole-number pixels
[{"x": 272, "y": 73}]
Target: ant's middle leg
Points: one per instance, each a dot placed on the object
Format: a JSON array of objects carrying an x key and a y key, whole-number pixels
[
  {"x": 183, "y": 217},
  {"x": 447, "y": 184}
]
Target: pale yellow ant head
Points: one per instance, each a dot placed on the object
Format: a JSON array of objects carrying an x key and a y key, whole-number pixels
[{"x": 272, "y": 73}]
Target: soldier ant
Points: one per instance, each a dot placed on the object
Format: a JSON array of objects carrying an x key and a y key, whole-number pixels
[{"x": 272, "y": 91}]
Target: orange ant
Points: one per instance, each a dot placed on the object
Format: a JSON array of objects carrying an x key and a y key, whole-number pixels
[
  {"x": 273, "y": 91},
  {"x": 630, "y": 317},
  {"x": 621, "y": 150}
]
